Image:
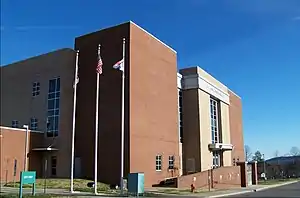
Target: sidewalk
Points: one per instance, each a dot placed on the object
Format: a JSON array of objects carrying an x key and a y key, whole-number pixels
[
  {"x": 152, "y": 192},
  {"x": 221, "y": 193}
]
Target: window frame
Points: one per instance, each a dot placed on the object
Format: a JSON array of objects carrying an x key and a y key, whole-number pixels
[
  {"x": 216, "y": 159},
  {"x": 33, "y": 123},
  {"x": 171, "y": 165},
  {"x": 214, "y": 120},
  {"x": 180, "y": 115},
  {"x": 15, "y": 123},
  {"x": 53, "y": 111},
  {"x": 158, "y": 163},
  {"x": 36, "y": 87},
  {"x": 53, "y": 166}
]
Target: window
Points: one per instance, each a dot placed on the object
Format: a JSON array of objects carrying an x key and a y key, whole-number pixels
[
  {"x": 214, "y": 121},
  {"x": 216, "y": 159},
  {"x": 15, "y": 123},
  {"x": 158, "y": 162},
  {"x": 53, "y": 107},
  {"x": 53, "y": 165},
  {"x": 180, "y": 114},
  {"x": 171, "y": 162},
  {"x": 33, "y": 124},
  {"x": 35, "y": 89}
]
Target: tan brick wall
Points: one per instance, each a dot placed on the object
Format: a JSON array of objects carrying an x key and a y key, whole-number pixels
[
  {"x": 12, "y": 146},
  {"x": 17, "y": 102},
  {"x": 227, "y": 160},
  {"x": 222, "y": 178},
  {"x": 191, "y": 129},
  {"x": 205, "y": 131}
]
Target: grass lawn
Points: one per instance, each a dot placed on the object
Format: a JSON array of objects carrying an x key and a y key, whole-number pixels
[
  {"x": 79, "y": 185},
  {"x": 27, "y": 196},
  {"x": 276, "y": 181}
]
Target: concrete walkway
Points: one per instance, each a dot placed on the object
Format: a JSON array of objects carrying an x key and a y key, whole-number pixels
[{"x": 153, "y": 191}]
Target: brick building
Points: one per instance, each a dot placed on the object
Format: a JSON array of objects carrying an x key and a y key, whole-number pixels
[{"x": 175, "y": 122}]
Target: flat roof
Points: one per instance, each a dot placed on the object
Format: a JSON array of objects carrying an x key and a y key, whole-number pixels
[{"x": 19, "y": 129}]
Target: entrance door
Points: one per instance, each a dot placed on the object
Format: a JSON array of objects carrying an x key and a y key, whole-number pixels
[{"x": 249, "y": 174}]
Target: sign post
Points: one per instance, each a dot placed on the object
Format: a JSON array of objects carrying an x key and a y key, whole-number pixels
[{"x": 27, "y": 177}]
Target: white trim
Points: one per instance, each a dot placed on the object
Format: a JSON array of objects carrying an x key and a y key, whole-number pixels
[
  {"x": 19, "y": 129},
  {"x": 220, "y": 146},
  {"x": 234, "y": 93},
  {"x": 153, "y": 36},
  {"x": 179, "y": 77},
  {"x": 45, "y": 149},
  {"x": 196, "y": 81}
]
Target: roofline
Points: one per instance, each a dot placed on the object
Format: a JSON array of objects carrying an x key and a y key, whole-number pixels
[
  {"x": 153, "y": 37},
  {"x": 234, "y": 93},
  {"x": 198, "y": 66},
  {"x": 20, "y": 129},
  {"x": 99, "y": 30},
  {"x": 37, "y": 56},
  {"x": 133, "y": 23}
]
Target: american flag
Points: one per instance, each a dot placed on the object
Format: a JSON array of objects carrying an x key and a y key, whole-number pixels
[{"x": 99, "y": 64}]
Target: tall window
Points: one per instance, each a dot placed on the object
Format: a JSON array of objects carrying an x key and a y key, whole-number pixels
[
  {"x": 15, "y": 124},
  {"x": 53, "y": 165},
  {"x": 33, "y": 123},
  {"x": 180, "y": 114},
  {"x": 171, "y": 162},
  {"x": 158, "y": 162},
  {"x": 53, "y": 107},
  {"x": 215, "y": 130},
  {"x": 214, "y": 121},
  {"x": 35, "y": 89}
]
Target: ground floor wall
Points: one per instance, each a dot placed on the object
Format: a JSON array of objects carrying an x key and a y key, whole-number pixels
[
  {"x": 219, "y": 178},
  {"x": 12, "y": 153}
]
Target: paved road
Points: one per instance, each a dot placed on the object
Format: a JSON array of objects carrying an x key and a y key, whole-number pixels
[{"x": 286, "y": 191}]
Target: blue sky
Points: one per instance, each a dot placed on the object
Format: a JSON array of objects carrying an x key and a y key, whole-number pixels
[{"x": 253, "y": 47}]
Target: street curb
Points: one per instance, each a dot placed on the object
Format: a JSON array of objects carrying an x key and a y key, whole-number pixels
[
  {"x": 276, "y": 185},
  {"x": 249, "y": 191}
]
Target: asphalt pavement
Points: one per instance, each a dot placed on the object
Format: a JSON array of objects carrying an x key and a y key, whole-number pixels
[{"x": 286, "y": 191}]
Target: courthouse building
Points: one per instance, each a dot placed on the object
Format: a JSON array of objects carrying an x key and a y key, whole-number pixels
[{"x": 176, "y": 122}]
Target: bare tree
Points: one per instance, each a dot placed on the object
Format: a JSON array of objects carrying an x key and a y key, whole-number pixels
[
  {"x": 276, "y": 154},
  {"x": 248, "y": 153},
  {"x": 295, "y": 151}
]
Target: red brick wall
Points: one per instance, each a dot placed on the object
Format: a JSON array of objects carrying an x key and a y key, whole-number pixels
[
  {"x": 153, "y": 106},
  {"x": 236, "y": 127},
  {"x": 109, "y": 143},
  {"x": 12, "y": 145},
  {"x": 223, "y": 177}
]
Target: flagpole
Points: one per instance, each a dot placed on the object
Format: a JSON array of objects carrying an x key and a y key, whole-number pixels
[
  {"x": 73, "y": 125},
  {"x": 96, "y": 128},
  {"x": 122, "y": 122}
]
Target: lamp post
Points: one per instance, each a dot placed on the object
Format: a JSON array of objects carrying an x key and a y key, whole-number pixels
[{"x": 26, "y": 147}]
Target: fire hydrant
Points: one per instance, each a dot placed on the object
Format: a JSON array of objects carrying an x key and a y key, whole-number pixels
[{"x": 192, "y": 188}]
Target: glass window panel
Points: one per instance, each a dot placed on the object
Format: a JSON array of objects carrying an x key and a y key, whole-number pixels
[
  {"x": 52, "y": 85},
  {"x": 51, "y": 104},
  {"x": 50, "y": 112},
  {"x": 58, "y": 84},
  {"x": 56, "y": 103},
  {"x": 56, "y": 122},
  {"x": 51, "y": 95}
]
